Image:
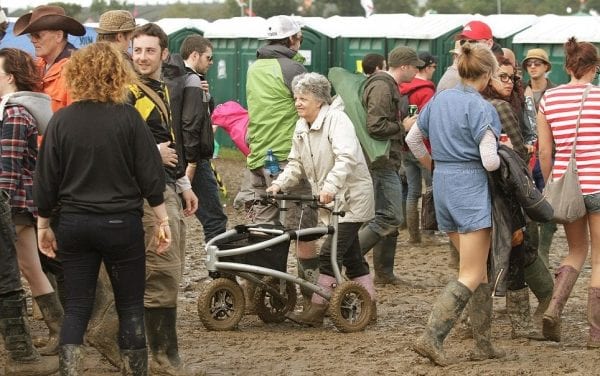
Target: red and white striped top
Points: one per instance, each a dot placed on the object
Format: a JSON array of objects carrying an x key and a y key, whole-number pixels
[{"x": 561, "y": 105}]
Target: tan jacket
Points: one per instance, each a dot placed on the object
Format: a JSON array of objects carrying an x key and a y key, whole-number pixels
[{"x": 331, "y": 157}]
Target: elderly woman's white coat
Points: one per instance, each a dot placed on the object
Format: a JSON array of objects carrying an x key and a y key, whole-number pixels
[{"x": 331, "y": 157}]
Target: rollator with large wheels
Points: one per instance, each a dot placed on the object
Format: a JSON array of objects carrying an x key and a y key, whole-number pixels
[{"x": 258, "y": 253}]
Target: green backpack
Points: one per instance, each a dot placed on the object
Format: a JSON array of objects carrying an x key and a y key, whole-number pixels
[{"x": 350, "y": 87}]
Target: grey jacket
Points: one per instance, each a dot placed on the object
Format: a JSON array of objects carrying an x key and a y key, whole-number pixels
[{"x": 37, "y": 104}]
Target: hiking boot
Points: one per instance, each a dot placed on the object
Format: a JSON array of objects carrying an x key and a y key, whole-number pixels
[
  {"x": 481, "y": 321},
  {"x": 565, "y": 278},
  {"x": 53, "y": 314},
  {"x": 446, "y": 310},
  {"x": 22, "y": 358}
]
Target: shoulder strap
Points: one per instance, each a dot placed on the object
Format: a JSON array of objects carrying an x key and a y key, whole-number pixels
[
  {"x": 156, "y": 99},
  {"x": 583, "y": 98}
]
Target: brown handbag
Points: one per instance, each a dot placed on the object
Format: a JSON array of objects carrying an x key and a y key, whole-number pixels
[{"x": 564, "y": 194}]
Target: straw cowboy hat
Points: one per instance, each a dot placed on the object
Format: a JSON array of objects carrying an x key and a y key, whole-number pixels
[{"x": 47, "y": 17}]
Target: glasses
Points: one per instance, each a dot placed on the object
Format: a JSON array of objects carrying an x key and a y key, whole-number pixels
[
  {"x": 504, "y": 78},
  {"x": 531, "y": 64},
  {"x": 210, "y": 58}
]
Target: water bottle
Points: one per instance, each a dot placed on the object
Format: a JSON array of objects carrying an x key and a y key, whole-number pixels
[{"x": 272, "y": 164}]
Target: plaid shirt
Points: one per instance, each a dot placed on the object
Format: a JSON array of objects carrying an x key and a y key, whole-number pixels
[
  {"x": 18, "y": 153},
  {"x": 510, "y": 126}
]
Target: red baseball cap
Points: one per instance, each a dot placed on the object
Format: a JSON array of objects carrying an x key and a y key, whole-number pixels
[{"x": 476, "y": 30}]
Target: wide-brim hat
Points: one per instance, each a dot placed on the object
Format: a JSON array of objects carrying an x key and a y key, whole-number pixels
[
  {"x": 536, "y": 53},
  {"x": 47, "y": 17},
  {"x": 115, "y": 21}
]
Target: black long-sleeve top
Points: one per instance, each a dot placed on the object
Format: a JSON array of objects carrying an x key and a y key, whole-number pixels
[{"x": 97, "y": 158}]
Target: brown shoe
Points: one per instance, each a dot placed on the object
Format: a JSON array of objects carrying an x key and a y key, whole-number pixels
[{"x": 312, "y": 317}]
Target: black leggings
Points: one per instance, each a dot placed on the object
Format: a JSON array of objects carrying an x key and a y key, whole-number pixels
[
  {"x": 86, "y": 240},
  {"x": 348, "y": 252}
]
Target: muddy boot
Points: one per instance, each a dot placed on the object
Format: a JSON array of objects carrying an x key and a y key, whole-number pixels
[
  {"x": 103, "y": 328},
  {"x": 446, "y": 310},
  {"x": 540, "y": 282},
  {"x": 366, "y": 281},
  {"x": 517, "y": 307},
  {"x": 413, "y": 222},
  {"x": 367, "y": 239},
  {"x": 384, "y": 254},
  {"x": 249, "y": 289},
  {"x": 565, "y": 279},
  {"x": 481, "y": 321},
  {"x": 462, "y": 329},
  {"x": 547, "y": 231},
  {"x": 71, "y": 360},
  {"x": 135, "y": 362},
  {"x": 161, "y": 333},
  {"x": 308, "y": 269},
  {"x": 22, "y": 358},
  {"x": 318, "y": 306},
  {"x": 53, "y": 314},
  {"x": 594, "y": 317}
]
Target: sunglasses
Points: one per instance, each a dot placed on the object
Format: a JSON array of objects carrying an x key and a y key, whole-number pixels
[
  {"x": 531, "y": 64},
  {"x": 504, "y": 78},
  {"x": 472, "y": 41}
]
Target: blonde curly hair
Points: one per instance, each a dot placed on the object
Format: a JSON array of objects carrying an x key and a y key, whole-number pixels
[{"x": 98, "y": 72}]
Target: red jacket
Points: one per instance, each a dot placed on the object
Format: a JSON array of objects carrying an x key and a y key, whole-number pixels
[{"x": 419, "y": 91}]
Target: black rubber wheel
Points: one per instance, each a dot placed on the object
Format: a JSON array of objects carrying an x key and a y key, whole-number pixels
[
  {"x": 350, "y": 307},
  {"x": 221, "y": 304},
  {"x": 271, "y": 308}
]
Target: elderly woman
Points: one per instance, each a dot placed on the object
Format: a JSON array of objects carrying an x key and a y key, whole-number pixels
[
  {"x": 325, "y": 147},
  {"x": 463, "y": 129},
  {"x": 24, "y": 115},
  {"x": 97, "y": 163},
  {"x": 556, "y": 122}
]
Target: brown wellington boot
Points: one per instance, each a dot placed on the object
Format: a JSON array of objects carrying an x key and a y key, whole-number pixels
[
  {"x": 565, "y": 278},
  {"x": 446, "y": 310},
  {"x": 481, "y": 322},
  {"x": 413, "y": 222},
  {"x": 71, "y": 360},
  {"x": 384, "y": 254},
  {"x": 315, "y": 313},
  {"x": 517, "y": 307},
  {"x": 22, "y": 358},
  {"x": 103, "y": 328},
  {"x": 594, "y": 317},
  {"x": 53, "y": 314}
]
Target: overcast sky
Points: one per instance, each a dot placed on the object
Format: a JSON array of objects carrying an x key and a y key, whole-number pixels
[{"x": 16, "y": 4}]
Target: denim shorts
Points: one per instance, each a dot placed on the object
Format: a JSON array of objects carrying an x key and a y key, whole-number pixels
[
  {"x": 592, "y": 202},
  {"x": 462, "y": 198}
]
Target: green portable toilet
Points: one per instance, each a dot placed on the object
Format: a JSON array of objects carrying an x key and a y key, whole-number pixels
[
  {"x": 357, "y": 37},
  {"x": 235, "y": 41},
  {"x": 505, "y": 26},
  {"x": 550, "y": 33},
  {"x": 318, "y": 45},
  {"x": 433, "y": 33},
  {"x": 178, "y": 29}
]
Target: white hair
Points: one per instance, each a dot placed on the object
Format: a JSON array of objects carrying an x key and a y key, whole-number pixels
[{"x": 313, "y": 83}]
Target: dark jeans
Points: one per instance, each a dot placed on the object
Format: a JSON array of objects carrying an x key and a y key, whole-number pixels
[
  {"x": 348, "y": 252},
  {"x": 210, "y": 211},
  {"x": 86, "y": 240},
  {"x": 10, "y": 278}
]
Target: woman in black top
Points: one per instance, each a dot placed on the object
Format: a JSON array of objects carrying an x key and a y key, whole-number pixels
[{"x": 97, "y": 163}]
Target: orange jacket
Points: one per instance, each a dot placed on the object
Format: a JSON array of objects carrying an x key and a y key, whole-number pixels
[{"x": 54, "y": 83}]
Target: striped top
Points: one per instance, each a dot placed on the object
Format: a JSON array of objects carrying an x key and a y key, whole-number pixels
[{"x": 560, "y": 106}]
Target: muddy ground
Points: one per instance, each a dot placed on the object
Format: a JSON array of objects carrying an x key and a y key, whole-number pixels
[{"x": 256, "y": 348}]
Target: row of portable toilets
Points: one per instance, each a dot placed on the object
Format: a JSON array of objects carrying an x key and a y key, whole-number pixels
[{"x": 343, "y": 41}]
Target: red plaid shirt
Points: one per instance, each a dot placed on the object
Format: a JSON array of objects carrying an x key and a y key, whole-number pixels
[{"x": 18, "y": 153}]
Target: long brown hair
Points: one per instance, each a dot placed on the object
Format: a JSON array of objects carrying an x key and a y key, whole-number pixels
[{"x": 20, "y": 65}]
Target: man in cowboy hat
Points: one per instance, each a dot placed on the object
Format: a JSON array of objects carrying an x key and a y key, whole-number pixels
[
  {"x": 116, "y": 26},
  {"x": 48, "y": 27}
]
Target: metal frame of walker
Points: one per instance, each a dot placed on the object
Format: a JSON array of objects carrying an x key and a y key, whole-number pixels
[{"x": 349, "y": 303}]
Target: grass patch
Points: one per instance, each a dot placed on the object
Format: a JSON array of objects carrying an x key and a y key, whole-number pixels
[{"x": 232, "y": 154}]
